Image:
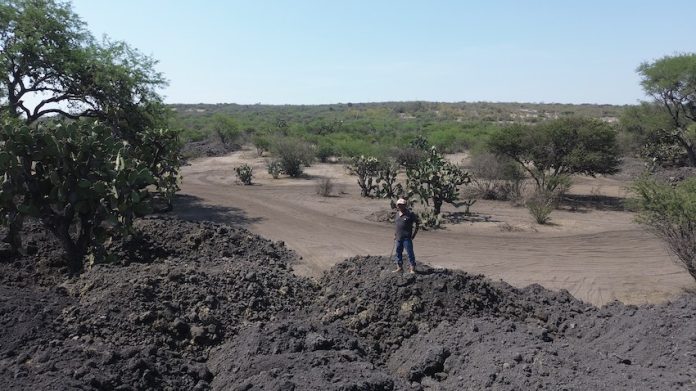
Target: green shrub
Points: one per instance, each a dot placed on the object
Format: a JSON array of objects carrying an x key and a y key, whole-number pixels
[
  {"x": 324, "y": 151},
  {"x": 293, "y": 155},
  {"x": 671, "y": 213},
  {"x": 244, "y": 173},
  {"x": 540, "y": 206},
  {"x": 193, "y": 135},
  {"x": 560, "y": 185},
  {"x": 452, "y": 138},
  {"x": 420, "y": 142},
  {"x": 225, "y": 128},
  {"x": 262, "y": 143},
  {"x": 350, "y": 146}
]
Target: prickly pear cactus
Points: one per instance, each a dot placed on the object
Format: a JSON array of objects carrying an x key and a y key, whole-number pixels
[
  {"x": 244, "y": 173},
  {"x": 75, "y": 177},
  {"x": 366, "y": 169},
  {"x": 435, "y": 181}
]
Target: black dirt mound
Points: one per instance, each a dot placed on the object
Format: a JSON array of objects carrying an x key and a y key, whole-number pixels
[
  {"x": 148, "y": 323},
  {"x": 202, "y": 305},
  {"x": 371, "y": 329},
  {"x": 211, "y": 146}
]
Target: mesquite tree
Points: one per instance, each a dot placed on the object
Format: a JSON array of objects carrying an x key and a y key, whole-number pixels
[
  {"x": 79, "y": 180},
  {"x": 553, "y": 150},
  {"x": 671, "y": 81},
  {"x": 50, "y": 65}
]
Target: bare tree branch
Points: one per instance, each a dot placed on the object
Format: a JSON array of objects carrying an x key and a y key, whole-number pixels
[{"x": 87, "y": 113}]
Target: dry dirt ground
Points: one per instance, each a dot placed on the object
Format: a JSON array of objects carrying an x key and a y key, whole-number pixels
[{"x": 593, "y": 249}]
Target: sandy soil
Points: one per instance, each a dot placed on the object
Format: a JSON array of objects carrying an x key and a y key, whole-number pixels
[{"x": 598, "y": 254}]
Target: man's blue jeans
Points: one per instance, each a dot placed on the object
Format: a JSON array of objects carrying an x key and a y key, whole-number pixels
[{"x": 400, "y": 245}]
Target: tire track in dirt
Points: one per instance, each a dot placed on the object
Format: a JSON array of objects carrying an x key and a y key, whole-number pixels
[{"x": 628, "y": 264}]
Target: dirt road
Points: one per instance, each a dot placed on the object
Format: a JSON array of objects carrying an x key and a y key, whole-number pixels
[{"x": 597, "y": 255}]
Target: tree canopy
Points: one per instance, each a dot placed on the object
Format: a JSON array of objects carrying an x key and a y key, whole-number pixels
[
  {"x": 671, "y": 81},
  {"x": 88, "y": 167},
  {"x": 51, "y": 64},
  {"x": 553, "y": 149}
]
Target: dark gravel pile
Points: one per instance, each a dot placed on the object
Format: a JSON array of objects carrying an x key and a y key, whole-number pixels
[
  {"x": 371, "y": 329},
  {"x": 149, "y": 321},
  {"x": 211, "y": 146},
  {"x": 208, "y": 306}
]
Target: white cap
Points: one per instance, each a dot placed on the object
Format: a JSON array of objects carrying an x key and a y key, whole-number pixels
[{"x": 401, "y": 201}]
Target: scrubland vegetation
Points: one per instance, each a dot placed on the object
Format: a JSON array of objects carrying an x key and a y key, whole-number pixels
[
  {"x": 371, "y": 129},
  {"x": 511, "y": 144},
  {"x": 201, "y": 305}
]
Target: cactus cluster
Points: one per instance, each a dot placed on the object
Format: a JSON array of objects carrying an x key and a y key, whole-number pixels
[
  {"x": 366, "y": 169},
  {"x": 435, "y": 181},
  {"x": 275, "y": 168},
  {"x": 376, "y": 178},
  {"x": 244, "y": 173},
  {"x": 81, "y": 181},
  {"x": 431, "y": 182}
]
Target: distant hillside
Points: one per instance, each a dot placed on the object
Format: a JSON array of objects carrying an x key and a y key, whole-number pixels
[{"x": 461, "y": 111}]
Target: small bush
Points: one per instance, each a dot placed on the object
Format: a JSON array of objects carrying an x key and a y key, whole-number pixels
[
  {"x": 496, "y": 177},
  {"x": 293, "y": 155},
  {"x": 275, "y": 168},
  {"x": 468, "y": 201},
  {"x": 409, "y": 157},
  {"x": 671, "y": 213},
  {"x": 325, "y": 187},
  {"x": 540, "y": 206},
  {"x": 324, "y": 151},
  {"x": 261, "y": 143},
  {"x": 244, "y": 173}
]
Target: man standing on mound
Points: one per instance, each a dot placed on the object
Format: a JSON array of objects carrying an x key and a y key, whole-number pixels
[{"x": 404, "y": 235}]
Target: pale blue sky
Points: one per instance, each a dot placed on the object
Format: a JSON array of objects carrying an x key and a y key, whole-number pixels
[{"x": 309, "y": 52}]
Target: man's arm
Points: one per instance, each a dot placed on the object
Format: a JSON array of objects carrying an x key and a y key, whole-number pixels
[{"x": 415, "y": 229}]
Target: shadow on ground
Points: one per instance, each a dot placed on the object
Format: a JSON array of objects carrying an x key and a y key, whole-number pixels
[
  {"x": 189, "y": 207},
  {"x": 585, "y": 203},
  {"x": 462, "y": 217}
]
